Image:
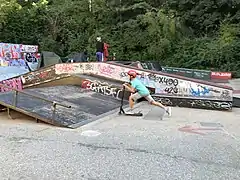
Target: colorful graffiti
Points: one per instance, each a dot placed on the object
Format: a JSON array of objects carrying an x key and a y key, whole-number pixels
[
  {"x": 15, "y": 83},
  {"x": 194, "y": 103},
  {"x": 162, "y": 84},
  {"x": 12, "y": 62},
  {"x": 19, "y": 55},
  {"x": 10, "y": 51},
  {"x": 37, "y": 77},
  {"x": 75, "y": 68},
  {"x": 65, "y": 68},
  {"x": 32, "y": 59},
  {"x": 106, "y": 70}
]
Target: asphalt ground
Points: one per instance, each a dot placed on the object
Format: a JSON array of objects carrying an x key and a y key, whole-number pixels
[{"x": 122, "y": 147}]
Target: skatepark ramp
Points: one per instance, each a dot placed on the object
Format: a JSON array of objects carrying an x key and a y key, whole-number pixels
[
  {"x": 74, "y": 106},
  {"x": 74, "y": 94},
  {"x": 30, "y": 104},
  {"x": 169, "y": 89}
]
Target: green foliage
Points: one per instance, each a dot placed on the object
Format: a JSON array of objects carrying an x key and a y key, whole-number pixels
[
  {"x": 202, "y": 34},
  {"x": 6, "y": 7}
]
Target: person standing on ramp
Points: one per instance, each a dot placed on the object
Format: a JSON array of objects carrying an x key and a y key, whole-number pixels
[
  {"x": 139, "y": 91},
  {"x": 99, "y": 49}
]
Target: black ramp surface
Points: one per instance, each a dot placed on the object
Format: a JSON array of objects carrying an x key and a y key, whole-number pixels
[
  {"x": 86, "y": 106},
  {"x": 29, "y": 104},
  {"x": 236, "y": 102}
]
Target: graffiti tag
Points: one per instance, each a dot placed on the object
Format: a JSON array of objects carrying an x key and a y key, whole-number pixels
[
  {"x": 15, "y": 83},
  {"x": 102, "y": 87}
]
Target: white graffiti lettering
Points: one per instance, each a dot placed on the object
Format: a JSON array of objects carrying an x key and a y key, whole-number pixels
[{"x": 103, "y": 88}]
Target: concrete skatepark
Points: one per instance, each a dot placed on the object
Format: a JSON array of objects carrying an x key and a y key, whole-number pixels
[{"x": 200, "y": 140}]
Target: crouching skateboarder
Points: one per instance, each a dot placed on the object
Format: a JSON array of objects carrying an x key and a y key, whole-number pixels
[{"x": 139, "y": 91}]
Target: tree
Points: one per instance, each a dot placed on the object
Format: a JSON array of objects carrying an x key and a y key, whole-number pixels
[
  {"x": 202, "y": 34},
  {"x": 6, "y": 7}
]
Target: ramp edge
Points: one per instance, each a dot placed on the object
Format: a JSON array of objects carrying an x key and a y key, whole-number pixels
[{"x": 34, "y": 115}]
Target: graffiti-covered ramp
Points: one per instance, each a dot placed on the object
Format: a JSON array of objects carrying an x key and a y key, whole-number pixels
[{"x": 86, "y": 106}]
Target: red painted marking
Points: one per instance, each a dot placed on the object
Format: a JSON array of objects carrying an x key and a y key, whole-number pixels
[
  {"x": 196, "y": 130},
  {"x": 221, "y": 75},
  {"x": 85, "y": 84},
  {"x": 236, "y": 91},
  {"x": 65, "y": 68},
  {"x": 43, "y": 75},
  {"x": 106, "y": 69}
]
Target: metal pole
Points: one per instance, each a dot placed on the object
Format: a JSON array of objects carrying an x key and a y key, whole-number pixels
[
  {"x": 15, "y": 98},
  {"x": 28, "y": 94},
  {"x": 53, "y": 107}
]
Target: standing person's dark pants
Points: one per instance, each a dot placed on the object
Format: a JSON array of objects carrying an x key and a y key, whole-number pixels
[
  {"x": 99, "y": 56},
  {"x": 99, "y": 52}
]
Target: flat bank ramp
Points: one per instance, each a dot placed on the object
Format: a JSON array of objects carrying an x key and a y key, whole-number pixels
[{"x": 86, "y": 106}]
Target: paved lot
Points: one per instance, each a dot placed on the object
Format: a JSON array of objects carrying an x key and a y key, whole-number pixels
[{"x": 120, "y": 147}]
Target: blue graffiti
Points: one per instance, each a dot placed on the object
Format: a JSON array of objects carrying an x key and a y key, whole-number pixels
[
  {"x": 199, "y": 91},
  {"x": 19, "y": 62}
]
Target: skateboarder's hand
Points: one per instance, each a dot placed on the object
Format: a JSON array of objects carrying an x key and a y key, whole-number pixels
[{"x": 125, "y": 84}]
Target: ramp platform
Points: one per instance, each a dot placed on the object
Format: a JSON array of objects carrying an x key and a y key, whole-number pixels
[{"x": 86, "y": 106}]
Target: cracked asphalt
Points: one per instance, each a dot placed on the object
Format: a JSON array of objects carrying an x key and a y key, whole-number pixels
[{"x": 120, "y": 147}]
